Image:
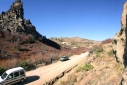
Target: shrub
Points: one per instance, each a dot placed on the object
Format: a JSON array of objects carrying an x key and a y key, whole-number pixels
[
  {"x": 86, "y": 67},
  {"x": 27, "y": 65},
  {"x": 97, "y": 54},
  {"x": 26, "y": 39},
  {"x": 119, "y": 67},
  {"x": 110, "y": 53},
  {"x": 2, "y": 70},
  {"x": 99, "y": 49},
  {"x": 23, "y": 64}
]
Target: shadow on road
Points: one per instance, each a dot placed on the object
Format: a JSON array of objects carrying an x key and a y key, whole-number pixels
[{"x": 28, "y": 80}]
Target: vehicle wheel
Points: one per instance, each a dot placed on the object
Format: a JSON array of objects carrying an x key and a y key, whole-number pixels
[{"x": 22, "y": 80}]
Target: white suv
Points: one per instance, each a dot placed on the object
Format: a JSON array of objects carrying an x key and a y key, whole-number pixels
[{"x": 12, "y": 76}]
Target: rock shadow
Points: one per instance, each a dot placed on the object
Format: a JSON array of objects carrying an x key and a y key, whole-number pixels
[
  {"x": 51, "y": 43},
  {"x": 125, "y": 50}
]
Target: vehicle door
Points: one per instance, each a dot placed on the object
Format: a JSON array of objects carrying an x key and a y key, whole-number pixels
[
  {"x": 9, "y": 79},
  {"x": 17, "y": 76},
  {"x": 22, "y": 74}
]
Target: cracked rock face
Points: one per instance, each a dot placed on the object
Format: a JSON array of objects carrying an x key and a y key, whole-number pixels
[
  {"x": 13, "y": 20},
  {"x": 120, "y": 44},
  {"x": 119, "y": 41}
]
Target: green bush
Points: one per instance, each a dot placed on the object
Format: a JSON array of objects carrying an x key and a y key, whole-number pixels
[
  {"x": 27, "y": 65},
  {"x": 2, "y": 70},
  {"x": 99, "y": 49},
  {"x": 110, "y": 53},
  {"x": 86, "y": 67},
  {"x": 23, "y": 64},
  {"x": 97, "y": 54}
]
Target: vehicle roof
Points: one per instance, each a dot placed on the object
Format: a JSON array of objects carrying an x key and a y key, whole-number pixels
[{"x": 14, "y": 69}]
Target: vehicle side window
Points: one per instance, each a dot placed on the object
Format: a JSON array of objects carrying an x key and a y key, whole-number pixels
[
  {"x": 22, "y": 72},
  {"x": 10, "y": 76},
  {"x": 16, "y": 74}
]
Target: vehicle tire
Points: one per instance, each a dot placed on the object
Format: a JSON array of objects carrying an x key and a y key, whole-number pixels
[{"x": 22, "y": 80}]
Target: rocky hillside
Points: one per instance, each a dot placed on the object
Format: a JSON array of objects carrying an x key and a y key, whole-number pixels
[
  {"x": 75, "y": 42},
  {"x": 120, "y": 43},
  {"x": 99, "y": 68}
]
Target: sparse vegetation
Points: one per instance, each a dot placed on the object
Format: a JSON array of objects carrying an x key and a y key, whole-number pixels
[
  {"x": 23, "y": 64},
  {"x": 97, "y": 50},
  {"x": 2, "y": 70},
  {"x": 27, "y": 65},
  {"x": 110, "y": 53},
  {"x": 85, "y": 67},
  {"x": 119, "y": 67}
]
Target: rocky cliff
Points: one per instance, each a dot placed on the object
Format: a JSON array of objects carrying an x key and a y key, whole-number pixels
[
  {"x": 120, "y": 44},
  {"x": 13, "y": 21},
  {"x": 119, "y": 41}
]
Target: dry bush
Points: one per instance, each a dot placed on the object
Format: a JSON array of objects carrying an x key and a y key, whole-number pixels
[
  {"x": 46, "y": 60},
  {"x": 9, "y": 63},
  {"x": 26, "y": 39},
  {"x": 4, "y": 33}
]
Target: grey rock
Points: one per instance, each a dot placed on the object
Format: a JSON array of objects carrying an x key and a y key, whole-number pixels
[{"x": 14, "y": 21}]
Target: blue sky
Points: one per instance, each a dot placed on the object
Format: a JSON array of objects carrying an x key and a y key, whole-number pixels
[{"x": 91, "y": 19}]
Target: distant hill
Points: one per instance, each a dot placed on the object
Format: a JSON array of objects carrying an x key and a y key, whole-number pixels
[{"x": 75, "y": 41}]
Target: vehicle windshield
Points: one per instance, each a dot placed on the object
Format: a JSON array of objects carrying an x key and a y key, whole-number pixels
[{"x": 4, "y": 75}]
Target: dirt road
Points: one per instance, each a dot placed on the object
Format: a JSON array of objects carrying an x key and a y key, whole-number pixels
[{"x": 43, "y": 74}]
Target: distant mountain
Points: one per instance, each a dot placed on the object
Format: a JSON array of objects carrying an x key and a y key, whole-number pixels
[{"x": 75, "y": 41}]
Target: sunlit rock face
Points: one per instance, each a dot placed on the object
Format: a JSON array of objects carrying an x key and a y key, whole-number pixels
[
  {"x": 120, "y": 44},
  {"x": 119, "y": 41}
]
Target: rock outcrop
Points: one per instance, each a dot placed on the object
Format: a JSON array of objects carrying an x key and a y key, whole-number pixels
[
  {"x": 120, "y": 44},
  {"x": 119, "y": 41},
  {"x": 13, "y": 21}
]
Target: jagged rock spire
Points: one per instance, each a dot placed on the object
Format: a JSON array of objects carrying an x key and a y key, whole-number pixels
[{"x": 14, "y": 21}]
